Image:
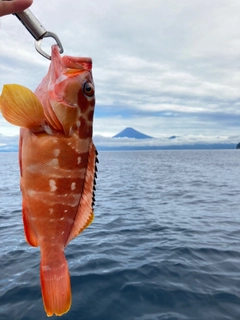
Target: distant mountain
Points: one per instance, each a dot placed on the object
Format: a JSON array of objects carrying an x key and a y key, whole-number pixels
[{"x": 131, "y": 133}]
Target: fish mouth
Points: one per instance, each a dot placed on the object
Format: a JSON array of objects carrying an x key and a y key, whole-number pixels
[
  {"x": 66, "y": 76},
  {"x": 72, "y": 65},
  {"x": 81, "y": 63}
]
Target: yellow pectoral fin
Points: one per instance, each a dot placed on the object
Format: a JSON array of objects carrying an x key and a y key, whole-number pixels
[{"x": 21, "y": 107}]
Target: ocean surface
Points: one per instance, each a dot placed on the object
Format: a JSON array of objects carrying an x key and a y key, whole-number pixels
[{"x": 165, "y": 242}]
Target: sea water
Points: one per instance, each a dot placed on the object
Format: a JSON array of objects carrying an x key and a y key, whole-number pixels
[{"x": 164, "y": 244}]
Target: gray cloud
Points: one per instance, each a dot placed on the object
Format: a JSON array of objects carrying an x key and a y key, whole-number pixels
[{"x": 163, "y": 67}]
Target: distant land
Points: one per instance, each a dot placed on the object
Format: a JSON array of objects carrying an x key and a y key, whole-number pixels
[
  {"x": 132, "y": 134},
  {"x": 131, "y": 139},
  {"x": 197, "y": 146}
]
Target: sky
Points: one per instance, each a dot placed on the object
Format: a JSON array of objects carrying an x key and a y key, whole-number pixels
[{"x": 164, "y": 67}]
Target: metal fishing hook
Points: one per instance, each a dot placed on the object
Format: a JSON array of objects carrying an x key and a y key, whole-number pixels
[{"x": 36, "y": 29}]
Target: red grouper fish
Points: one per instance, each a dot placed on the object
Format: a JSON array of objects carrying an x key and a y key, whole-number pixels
[{"x": 57, "y": 165}]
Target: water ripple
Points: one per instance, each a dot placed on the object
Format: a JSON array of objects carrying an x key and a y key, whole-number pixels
[{"x": 164, "y": 243}]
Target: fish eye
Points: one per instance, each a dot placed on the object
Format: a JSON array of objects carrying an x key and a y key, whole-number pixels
[{"x": 88, "y": 89}]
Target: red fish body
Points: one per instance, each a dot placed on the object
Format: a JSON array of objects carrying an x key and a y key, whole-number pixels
[{"x": 57, "y": 163}]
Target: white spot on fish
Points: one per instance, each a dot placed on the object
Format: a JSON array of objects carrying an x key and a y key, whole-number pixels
[
  {"x": 61, "y": 78},
  {"x": 50, "y": 211},
  {"x": 46, "y": 268},
  {"x": 65, "y": 210},
  {"x": 56, "y": 152},
  {"x": 53, "y": 163},
  {"x": 79, "y": 160},
  {"x": 31, "y": 193},
  {"x": 69, "y": 143},
  {"x": 48, "y": 130},
  {"x": 52, "y": 184},
  {"x": 51, "y": 87},
  {"x": 51, "y": 220},
  {"x": 62, "y": 218},
  {"x": 63, "y": 232},
  {"x": 73, "y": 186}
]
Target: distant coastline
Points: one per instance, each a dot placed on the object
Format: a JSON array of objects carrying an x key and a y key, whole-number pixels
[
  {"x": 174, "y": 147},
  {"x": 149, "y": 148},
  {"x": 131, "y": 139}
]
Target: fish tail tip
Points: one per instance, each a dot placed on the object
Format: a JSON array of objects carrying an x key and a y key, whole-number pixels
[{"x": 56, "y": 289}]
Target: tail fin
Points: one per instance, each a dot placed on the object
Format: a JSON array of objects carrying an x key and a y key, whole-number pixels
[{"x": 55, "y": 283}]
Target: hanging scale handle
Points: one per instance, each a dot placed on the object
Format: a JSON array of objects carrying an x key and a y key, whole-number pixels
[{"x": 36, "y": 29}]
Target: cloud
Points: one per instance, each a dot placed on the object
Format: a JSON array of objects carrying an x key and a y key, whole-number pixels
[
  {"x": 162, "y": 67},
  {"x": 7, "y": 129},
  {"x": 8, "y": 143}
]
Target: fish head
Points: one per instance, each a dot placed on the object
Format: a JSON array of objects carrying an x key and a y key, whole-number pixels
[
  {"x": 63, "y": 102},
  {"x": 70, "y": 93}
]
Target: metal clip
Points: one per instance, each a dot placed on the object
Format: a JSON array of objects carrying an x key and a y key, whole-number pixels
[
  {"x": 36, "y": 29},
  {"x": 39, "y": 42}
]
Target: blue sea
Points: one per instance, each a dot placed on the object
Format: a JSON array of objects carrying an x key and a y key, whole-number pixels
[{"x": 165, "y": 242}]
